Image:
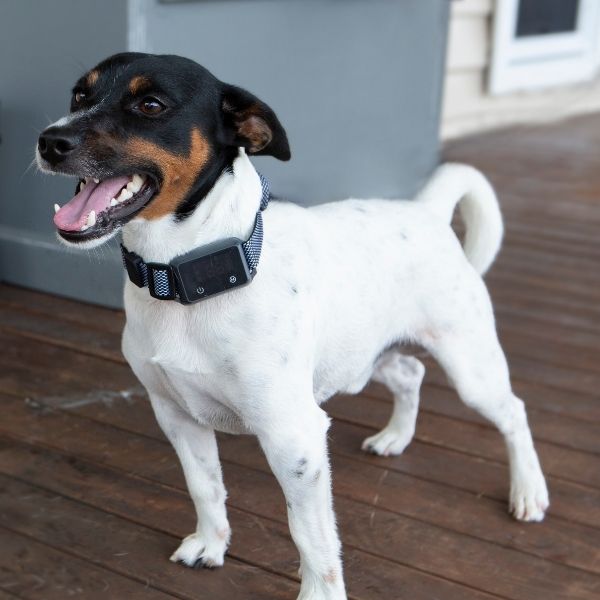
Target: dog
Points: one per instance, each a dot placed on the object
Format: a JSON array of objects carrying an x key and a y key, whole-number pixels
[{"x": 161, "y": 150}]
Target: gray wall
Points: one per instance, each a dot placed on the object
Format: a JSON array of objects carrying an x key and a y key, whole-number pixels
[
  {"x": 44, "y": 47},
  {"x": 357, "y": 84}
]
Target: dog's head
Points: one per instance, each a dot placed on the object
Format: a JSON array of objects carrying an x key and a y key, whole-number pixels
[{"x": 148, "y": 136}]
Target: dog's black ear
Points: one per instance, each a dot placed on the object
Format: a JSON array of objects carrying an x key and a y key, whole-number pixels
[{"x": 250, "y": 123}]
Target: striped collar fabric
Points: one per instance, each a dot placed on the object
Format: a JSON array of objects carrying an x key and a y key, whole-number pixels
[{"x": 159, "y": 277}]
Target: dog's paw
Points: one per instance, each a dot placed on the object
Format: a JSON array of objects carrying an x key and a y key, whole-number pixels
[
  {"x": 529, "y": 498},
  {"x": 387, "y": 442},
  {"x": 198, "y": 552}
]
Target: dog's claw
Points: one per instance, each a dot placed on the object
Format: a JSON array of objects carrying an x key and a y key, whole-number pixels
[
  {"x": 387, "y": 442},
  {"x": 529, "y": 498},
  {"x": 199, "y": 553}
]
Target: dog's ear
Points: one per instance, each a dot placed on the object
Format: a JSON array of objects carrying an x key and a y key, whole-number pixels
[{"x": 250, "y": 123}]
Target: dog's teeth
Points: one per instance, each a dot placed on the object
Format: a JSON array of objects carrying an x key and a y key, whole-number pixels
[
  {"x": 135, "y": 184},
  {"x": 81, "y": 185},
  {"x": 91, "y": 220},
  {"x": 56, "y": 208},
  {"x": 113, "y": 202},
  {"x": 125, "y": 195},
  {"x": 96, "y": 180}
]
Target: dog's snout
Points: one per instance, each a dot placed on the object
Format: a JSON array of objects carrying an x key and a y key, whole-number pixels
[{"x": 55, "y": 145}]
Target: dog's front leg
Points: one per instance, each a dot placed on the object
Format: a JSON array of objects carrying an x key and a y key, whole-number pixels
[
  {"x": 196, "y": 447},
  {"x": 296, "y": 448}
]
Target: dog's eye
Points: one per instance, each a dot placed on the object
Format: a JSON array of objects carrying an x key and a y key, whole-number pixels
[
  {"x": 151, "y": 106},
  {"x": 79, "y": 97}
]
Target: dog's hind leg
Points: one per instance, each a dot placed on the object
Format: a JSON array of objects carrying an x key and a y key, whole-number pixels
[
  {"x": 402, "y": 375},
  {"x": 196, "y": 447},
  {"x": 475, "y": 363}
]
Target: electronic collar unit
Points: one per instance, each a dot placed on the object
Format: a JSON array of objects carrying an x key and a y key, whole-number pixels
[{"x": 205, "y": 271}]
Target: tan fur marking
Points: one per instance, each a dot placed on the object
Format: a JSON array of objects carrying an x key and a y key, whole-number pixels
[
  {"x": 251, "y": 126},
  {"x": 137, "y": 83},
  {"x": 257, "y": 131},
  {"x": 179, "y": 172},
  {"x": 92, "y": 78}
]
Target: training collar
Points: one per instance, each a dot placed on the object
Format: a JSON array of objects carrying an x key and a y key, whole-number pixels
[{"x": 205, "y": 271}]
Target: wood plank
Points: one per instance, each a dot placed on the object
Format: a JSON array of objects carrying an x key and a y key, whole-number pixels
[
  {"x": 119, "y": 545},
  {"x": 42, "y": 370},
  {"x": 5, "y": 595},
  {"x": 470, "y": 437},
  {"x": 169, "y": 510},
  {"x": 549, "y": 352},
  {"x": 31, "y": 368},
  {"x": 569, "y": 500},
  {"x": 77, "y": 337},
  {"x": 95, "y": 317},
  {"x": 83, "y": 373},
  {"x": 148, "y": 459},
  {"x": 532, "y": 370},
  {"x": 429, "y": 548},
  {"x": 36, "y": 571},
  {"x": 44, "y": 357},
  {"x": 545, "y": 327},
  {"x": 430, "y": 497},
  {"x": 576, "y": 434},
  {"x": 552, "y": 308}
]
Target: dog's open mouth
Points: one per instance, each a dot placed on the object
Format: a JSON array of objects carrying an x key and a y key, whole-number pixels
[{"x": 100, "y": 206}]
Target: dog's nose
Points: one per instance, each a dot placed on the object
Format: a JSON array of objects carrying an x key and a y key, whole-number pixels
[{"x": 55, "y": 144}]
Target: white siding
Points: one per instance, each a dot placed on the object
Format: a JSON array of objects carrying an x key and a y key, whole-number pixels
[{"x": 469, "y": 108}]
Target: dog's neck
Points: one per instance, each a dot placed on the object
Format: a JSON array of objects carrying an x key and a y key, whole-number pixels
[{"x": 228, "y": 210}]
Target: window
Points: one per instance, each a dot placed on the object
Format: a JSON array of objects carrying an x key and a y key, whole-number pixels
[
  {"x": 542, "y": 43},
  {"x": 538, "y": 17}
]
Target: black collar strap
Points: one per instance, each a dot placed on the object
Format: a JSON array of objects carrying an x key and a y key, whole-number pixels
[{"x": 160, "y": 278}]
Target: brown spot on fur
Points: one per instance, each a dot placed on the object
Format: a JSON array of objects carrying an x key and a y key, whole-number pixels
[
  {"x": 92, "y": 78},
  {"x": 256, "y": 131},
  {"x": 178, "y": 172},
  {"x": 138, "y": 83},
  {"x": 251, "y": 126}
]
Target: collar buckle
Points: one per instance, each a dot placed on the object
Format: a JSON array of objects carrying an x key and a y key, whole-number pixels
[{"x": 135, "y": 267}]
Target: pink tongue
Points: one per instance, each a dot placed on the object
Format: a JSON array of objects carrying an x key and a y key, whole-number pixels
[{"x": 94, "y": 196}]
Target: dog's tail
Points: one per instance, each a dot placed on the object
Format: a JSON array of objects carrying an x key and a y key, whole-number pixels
[{"x": 454, "y": 184}]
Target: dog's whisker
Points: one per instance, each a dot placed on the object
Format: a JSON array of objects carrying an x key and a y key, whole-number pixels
[{"x": 28, "y": 168}]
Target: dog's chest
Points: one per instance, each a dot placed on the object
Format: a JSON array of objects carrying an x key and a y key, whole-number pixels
[{"x": 187, "y": 359}]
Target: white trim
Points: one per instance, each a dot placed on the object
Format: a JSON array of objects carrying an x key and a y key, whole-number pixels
[
  {"x": 137, "y": 30},
  {"x": 531, "y": 63}
]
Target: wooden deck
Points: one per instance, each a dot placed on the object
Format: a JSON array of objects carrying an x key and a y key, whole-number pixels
[{"x": 92, "y": 499}]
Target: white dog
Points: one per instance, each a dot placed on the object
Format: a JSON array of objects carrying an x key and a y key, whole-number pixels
[{"x": 338, "y": 289}]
